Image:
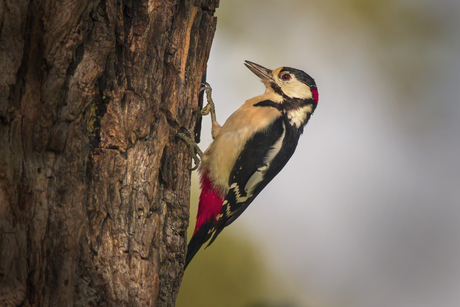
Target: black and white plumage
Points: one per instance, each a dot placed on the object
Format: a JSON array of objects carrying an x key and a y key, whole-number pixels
[{"x": 251, "y": 148}]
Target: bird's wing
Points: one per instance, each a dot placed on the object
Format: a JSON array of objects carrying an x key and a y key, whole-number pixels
[{"x": 264, "y": 155}]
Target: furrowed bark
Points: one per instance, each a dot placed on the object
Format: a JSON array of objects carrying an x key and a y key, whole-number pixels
[{"x": 94, "y": 186}]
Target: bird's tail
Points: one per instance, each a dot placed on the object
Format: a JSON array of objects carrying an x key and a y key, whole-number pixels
[
  {"x": 200, "y": 237},
  {"x": 209, "y": 207}
]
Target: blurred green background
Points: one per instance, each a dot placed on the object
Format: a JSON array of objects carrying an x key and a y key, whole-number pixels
[{"x": 366, "y": 213}]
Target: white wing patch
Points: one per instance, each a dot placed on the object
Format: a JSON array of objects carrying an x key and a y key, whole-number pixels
[
  {"x": 258, "y": 176},
  {"x": 239, "y": 199},
  {"x": 236, "y": 189},
  {"x": 298, "y": 116}
]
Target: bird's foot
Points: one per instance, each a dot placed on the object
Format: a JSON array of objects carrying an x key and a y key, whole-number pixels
[
  {"x": 210, "y": 108},
  {"x": 196, "y": 152}
]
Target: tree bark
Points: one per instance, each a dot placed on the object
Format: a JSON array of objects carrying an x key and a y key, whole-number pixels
[{"x": 94, "y": 186}]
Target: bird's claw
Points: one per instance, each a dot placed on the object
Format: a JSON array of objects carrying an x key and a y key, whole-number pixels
[
  {"x": 210, "y": 109},
  {"x": 207, "y": 109},
  {"x": 196, "y": 152},
  {"x": 210, "y": 105},
  {"x": 205, "y": 87}
]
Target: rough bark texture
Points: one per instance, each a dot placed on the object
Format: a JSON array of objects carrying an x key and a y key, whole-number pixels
[{"x": 94, "y": 187}]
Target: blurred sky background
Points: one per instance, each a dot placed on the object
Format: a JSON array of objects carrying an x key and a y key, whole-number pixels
[{"x": 367, "y": 211}]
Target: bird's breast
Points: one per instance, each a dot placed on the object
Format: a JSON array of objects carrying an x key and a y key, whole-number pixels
[{"x": 221, "y": 155}]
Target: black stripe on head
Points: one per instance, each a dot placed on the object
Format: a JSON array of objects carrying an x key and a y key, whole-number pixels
[
  {"x": 300, "y": 75},
  {"x": 288, "y": 104},
  {"x": 277, "y": 89},
  {"x": 269, "y": 103}
]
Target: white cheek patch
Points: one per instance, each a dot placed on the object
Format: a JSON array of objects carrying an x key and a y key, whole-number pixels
[
  {"x": 295, "y": 89},
  {"x": 298, "y": 117}
]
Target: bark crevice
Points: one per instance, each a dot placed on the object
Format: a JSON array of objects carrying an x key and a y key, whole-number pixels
[{"x": 94, "y": 186}]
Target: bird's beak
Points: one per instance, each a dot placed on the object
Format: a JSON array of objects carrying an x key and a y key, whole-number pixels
[{"x": 263, "y": 73}]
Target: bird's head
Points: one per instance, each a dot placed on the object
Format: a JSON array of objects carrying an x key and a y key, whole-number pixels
[{"x": 286, "y": 81}]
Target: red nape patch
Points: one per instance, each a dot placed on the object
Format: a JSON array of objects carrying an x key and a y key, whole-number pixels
[
  {"x": 210, "y": 204},
  {"x": 315, "y": 93}
]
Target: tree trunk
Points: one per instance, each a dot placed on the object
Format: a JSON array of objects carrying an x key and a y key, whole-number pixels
[{"x": 94, "y": 186}]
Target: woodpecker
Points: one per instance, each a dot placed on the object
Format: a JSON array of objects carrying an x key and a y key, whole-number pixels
[{"x": 250, "y": 149}]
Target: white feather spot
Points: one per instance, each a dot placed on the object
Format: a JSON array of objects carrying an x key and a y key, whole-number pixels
[
  {"x": 298, "y": 117},
  {"x": 236, "y": 189}
]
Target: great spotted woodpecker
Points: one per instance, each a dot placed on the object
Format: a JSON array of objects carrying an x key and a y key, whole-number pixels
[{"x": 250, "y": 149}]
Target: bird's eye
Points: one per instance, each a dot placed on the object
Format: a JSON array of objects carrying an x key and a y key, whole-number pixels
[{"x": 286, "y": 77}]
